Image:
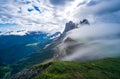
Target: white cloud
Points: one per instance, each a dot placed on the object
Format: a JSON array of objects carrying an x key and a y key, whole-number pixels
[
  {"x": 91, "y": 42},
  {"x": 53, "y": 16},
  {"x": 17, "y": 13}
]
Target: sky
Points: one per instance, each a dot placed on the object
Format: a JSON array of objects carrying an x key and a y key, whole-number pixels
[{"x": 51, "y": 15}]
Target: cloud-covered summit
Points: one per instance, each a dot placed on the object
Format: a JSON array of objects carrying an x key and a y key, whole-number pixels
[{"x": 51, "y": 15}]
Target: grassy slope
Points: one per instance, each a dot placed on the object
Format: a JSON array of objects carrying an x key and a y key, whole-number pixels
[
  {"x": 99, "y": 69},
  {"x": 4, "y": 72}
]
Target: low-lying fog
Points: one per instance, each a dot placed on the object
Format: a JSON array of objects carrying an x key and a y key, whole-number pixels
[{"x": 95, "y": 42}]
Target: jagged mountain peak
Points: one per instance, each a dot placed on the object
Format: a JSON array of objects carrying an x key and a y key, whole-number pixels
[{"x": 71, "y": 25}]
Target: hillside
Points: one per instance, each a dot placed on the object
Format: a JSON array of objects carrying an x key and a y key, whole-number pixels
[
  {"x": 97, "y": 69},
  {"x": 13, "y": 48},
  {"x": 4, "y": 72}
]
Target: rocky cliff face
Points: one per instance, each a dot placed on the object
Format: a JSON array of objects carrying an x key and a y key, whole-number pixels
[
  {"x": 67, "y": 44},
  {"x": 84, "y": 22},
  {"x": 69, "y": 26}
]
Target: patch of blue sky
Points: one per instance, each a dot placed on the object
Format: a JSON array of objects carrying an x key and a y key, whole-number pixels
[
  {"x": 57, "y": 2},
  {"x": 7, "y": 25},
  {"x": 36, "y": 8},
  {"x": 60, "y": 2},
  {"x": 30, "y": 10},
  {"x": 25, "y": 2},
  {"x": 28, "y": 2},
  {"x": 92, "y": 3}
]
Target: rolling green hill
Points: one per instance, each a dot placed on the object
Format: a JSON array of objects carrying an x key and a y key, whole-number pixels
[{"x": 98, "y": 69}]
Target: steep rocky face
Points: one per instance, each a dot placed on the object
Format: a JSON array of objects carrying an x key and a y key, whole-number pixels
[{"x": 69, "y": 26}]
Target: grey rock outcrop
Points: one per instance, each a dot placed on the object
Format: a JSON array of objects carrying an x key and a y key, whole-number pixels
[
  {"x": 84, "y": 22},
  {"x": 69, "y": 26}
]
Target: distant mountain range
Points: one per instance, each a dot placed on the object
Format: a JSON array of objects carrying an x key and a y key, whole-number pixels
[{"x": 15, "y": 47}]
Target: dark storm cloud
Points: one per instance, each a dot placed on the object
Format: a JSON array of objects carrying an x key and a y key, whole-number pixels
[
  {"x": 100, "y": 10},
  {"x": 104, "y": 6},
  {"x": 59, "y": 2}
]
